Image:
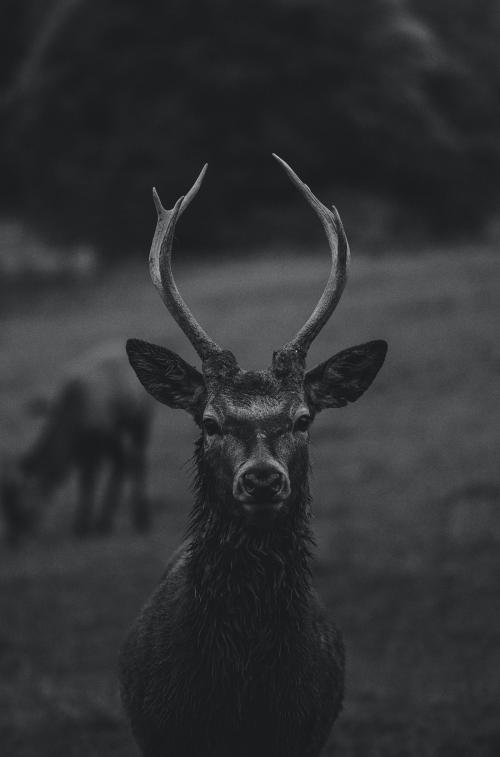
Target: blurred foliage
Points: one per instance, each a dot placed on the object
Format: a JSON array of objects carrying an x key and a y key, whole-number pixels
[{"x": 101, "y": 101}]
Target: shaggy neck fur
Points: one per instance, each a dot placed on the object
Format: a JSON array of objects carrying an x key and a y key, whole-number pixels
[{"x": 250, "y": 582}]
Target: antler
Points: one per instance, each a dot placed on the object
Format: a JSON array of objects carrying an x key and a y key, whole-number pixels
[
  {"x": 160, "y": 267},
  {"x": 338, "y": 274}
]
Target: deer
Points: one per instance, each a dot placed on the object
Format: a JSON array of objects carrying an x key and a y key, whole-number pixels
[
  {"x": 234, "y": 654},
  {"x": 98, "y": 422}
]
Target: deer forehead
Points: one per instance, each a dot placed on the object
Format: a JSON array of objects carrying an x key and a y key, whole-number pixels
[
  {"x": 255, "y": 408},
  {"x": 256, "y": 413}
]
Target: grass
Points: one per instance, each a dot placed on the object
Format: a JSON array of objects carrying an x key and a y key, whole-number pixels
[{"x": 406, "y": 488}]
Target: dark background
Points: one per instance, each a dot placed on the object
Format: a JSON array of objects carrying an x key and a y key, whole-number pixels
[
  {"x": 386, "y": 99},
  {"x": 390, "y": 109}
]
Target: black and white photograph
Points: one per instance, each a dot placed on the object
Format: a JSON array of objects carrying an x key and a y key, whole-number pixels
[{"x": 250, "y": 378}]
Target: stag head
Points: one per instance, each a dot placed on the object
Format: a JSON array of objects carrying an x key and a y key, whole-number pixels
[{"x": 255, "y": 424}]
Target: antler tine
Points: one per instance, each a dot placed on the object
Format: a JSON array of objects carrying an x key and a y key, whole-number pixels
[
  {"x": 339, "y": 248},
  {"x": 160, "y": 267}
]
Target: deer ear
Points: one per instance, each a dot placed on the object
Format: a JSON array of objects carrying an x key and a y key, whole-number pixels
[
  {"x": 345, "y": 376},
  {"x": 167, "y": 377}
]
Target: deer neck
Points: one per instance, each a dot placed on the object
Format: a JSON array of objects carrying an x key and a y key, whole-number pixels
[{"x": 231, "y": 558}]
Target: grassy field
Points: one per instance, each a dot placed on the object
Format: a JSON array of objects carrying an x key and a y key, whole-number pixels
[{"x": 406, "y": 485}]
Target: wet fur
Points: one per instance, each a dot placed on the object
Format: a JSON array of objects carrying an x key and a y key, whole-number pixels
[{"x": 233, "y": 654}]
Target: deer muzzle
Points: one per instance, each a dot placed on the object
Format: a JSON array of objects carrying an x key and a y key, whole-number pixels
[{"x": 261, "y": 485}]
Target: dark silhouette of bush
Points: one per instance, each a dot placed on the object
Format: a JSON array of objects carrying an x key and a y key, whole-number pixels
[{"x": 102, "y": 101}]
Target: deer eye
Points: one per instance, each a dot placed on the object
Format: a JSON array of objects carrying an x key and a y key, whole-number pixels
[
  {"x": 211, "y": 427},
  {"x": 302, "y": 423}
]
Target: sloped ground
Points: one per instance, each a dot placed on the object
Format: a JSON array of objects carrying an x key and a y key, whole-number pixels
[{"x": 406, "y": 489}]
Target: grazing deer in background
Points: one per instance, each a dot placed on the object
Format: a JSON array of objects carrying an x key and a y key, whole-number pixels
[
  {"x": 100, "y": 418},
  {"x": 233, "y": 654}
]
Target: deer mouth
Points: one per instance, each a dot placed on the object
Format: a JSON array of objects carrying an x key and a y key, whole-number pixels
[
  {"x": 263, "y": 507},
  {"x": 262, "y": 514},
  {"x": 261, "y": 504}
]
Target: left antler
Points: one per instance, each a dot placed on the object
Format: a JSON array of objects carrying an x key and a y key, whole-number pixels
[
  {"x": 160, "y": 267},
  {"x": 339, "y": 248}
]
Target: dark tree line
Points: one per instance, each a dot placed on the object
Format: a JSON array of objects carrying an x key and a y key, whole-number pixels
[{"x": 99, "y": 101}]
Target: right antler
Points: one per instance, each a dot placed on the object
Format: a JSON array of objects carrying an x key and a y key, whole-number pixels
[
  {"x": 160, "y": 267},
  {"x": 339, "y": 248}
]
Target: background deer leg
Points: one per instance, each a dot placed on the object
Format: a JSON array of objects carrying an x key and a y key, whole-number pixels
[
  {"x": 113, "y": 492},
  {"x": 87, "y": 474},
  {"x": 141, "y": 512}
]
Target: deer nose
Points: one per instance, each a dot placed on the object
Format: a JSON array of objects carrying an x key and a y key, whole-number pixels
[{"x": 262, "y": 482}]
